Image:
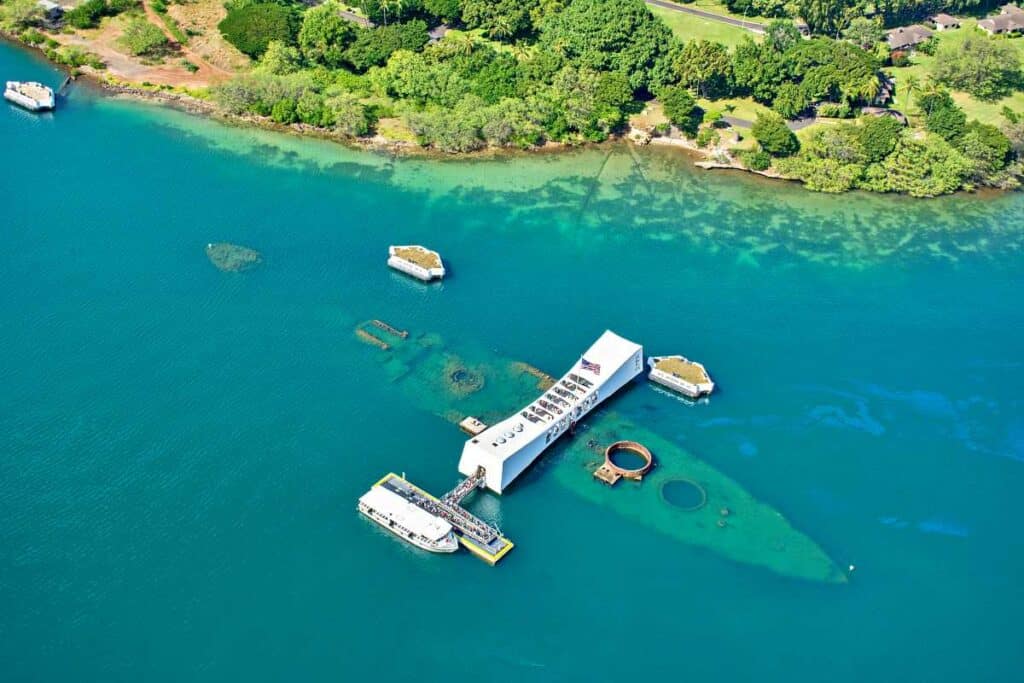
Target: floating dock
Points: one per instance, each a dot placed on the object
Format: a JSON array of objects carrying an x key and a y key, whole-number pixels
[
  {"x": 474, "y": 534},
  {"x": 472, "y": 426}
]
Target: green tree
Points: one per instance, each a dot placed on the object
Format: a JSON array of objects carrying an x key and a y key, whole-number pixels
[
  {"x": 348, "y": 114},
  {"x": 325, "y": 35},
  {"x": 942, "y": 116},
  {"x": 252, "y": 27},
  {"x": 863, "y": 32},
  {"x": 613, "y": 35},
  {"x": 704, "y": 66},
  {"x": 791, "y": 100},
  {"x": 987, "y": 68},
  {"x": 458, "y": 129},
  {"x": 841, "y": 143},
  {"x": 910, "y": 85},
  {"x": 680, "y": 108},
  {"x": 878, "y": 136},
  {"x": 280, "y": 59},
  {"x": 445, "y": 10},
  {"x": 919, "y": 167},
  {"x": 1013, "y": 128},
  {"x": 822, "y": 16},
  {"x": 374, "y": 46},
  {"x": 142, "y": 38},
  {"x": 87, "y": 14},
  {"x": 757, "y": 71},
  {"x": 771, "y": 133},
  {"x": 987, "y": 147},
  {"x": 592, "y": 102},
  {"x": 780, "y": 35},
  {"x": 500, "y": 19}
]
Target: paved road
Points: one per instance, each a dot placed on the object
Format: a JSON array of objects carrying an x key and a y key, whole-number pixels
[
  {"x": 742, "y": 23},
  {"x": 356, "y": 19},
  {"x": 794, "y": 125}
]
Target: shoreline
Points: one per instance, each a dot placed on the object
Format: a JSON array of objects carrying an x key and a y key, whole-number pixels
[{"x": 175, "y": 97}]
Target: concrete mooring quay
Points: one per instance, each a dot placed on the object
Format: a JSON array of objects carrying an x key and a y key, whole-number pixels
[{"x": 475, "y": 535}]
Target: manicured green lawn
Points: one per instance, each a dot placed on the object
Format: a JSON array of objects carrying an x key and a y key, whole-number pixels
[
  {"x": 690, "y": 27},
  {"x": 740, "y": 107},
  {"x": 719, "y": 7},
  {"x": 921, "y": 68}
]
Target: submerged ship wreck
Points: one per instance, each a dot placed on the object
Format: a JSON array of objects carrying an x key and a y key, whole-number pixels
[{"x": 723, "y": 518}]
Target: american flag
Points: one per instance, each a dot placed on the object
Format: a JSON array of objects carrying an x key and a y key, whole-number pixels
[{"x": 593, "y": 367}]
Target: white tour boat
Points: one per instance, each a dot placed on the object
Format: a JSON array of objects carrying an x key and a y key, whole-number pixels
[
  {"x": 408, "y": 521},
  {"x": 417, "y": 261},
  {"x": 30, "y": 95},
  {"x": 680, "y": 374}
]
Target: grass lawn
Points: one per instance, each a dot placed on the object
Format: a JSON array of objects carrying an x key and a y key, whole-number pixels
[
  {"x": 690, "y": 27},
  {"x": 740, "y": 107},
  {"x": 921, "y": 68},
  {"x": 804, "y": 134},
  {"x": 718, "y": 7}
]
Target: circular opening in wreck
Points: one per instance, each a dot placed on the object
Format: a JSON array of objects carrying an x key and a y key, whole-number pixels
[
  {"x": 683, "y": 494},
  {"x": 461, "y": 376},
  {"x": 627, "y": 459}
]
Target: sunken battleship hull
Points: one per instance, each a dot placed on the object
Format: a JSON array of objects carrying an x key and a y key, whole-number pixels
[{"x": 722, "y": 516}]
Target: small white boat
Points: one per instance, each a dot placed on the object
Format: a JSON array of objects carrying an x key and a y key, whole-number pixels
[{"x": 30, "y": 95}]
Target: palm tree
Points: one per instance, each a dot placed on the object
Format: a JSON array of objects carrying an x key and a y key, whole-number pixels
[
  {"x": 460, "y": 44},
  {"x": 502, "y": 27},
  {"x": 911, "y": 83},
  {"x": 396, "y": 7}
]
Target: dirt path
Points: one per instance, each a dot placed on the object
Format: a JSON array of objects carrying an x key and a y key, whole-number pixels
[{"x": 207, "y": 72}]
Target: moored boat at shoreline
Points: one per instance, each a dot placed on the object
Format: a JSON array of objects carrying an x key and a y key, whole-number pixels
[{"x": 30, "y": 95}]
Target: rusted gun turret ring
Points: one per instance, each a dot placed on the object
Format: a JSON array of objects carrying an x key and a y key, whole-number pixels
[{"x": 633, "y": 447}]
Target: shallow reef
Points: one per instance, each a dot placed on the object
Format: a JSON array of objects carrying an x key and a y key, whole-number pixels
[{"x": 232, "y": 258}]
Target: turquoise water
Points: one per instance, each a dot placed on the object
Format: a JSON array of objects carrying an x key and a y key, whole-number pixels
[{"x": 182, "y": 448}]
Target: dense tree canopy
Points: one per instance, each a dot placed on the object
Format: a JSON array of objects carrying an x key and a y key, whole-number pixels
[
  {"x": 325, "y": 35},
  {"x": 771, "y": 133},
  {"x": 613, "y": 35},
  {"x": 878, "y": 135},
  {"x": 500, "y": 19},
  {"x": 373, "y": 46},
  {"x": 680, "y": 108},
  {"x": 863, "y": 32},
  {"x": 251, "y": 27},
  {"x": 704, "y": 66}
]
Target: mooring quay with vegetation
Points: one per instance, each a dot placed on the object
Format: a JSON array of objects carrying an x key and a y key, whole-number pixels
[{"x": 828, "y": 93}]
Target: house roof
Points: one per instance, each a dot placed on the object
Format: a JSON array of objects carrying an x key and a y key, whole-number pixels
[
  {"x": 1003, "y": 22},
  {"x": 1010, "y": 8},
  {"x": 438, "y": 32},
  {"x": 945, "y": 20},
  {"x": 907, "y": 36}
]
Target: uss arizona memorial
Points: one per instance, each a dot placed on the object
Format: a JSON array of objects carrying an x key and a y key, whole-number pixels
[
  {"x": 503, "y": 451},
  {"x": 495, "y": 456}
]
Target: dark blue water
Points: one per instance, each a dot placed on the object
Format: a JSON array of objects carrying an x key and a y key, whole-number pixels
[{"x": 181, "y": 449}]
